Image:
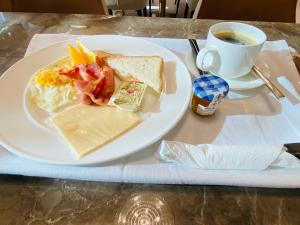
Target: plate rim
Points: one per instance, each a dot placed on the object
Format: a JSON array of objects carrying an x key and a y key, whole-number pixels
[{"x": 17, "y": 151}]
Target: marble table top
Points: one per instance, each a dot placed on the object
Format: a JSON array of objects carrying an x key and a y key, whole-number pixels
[{"x": 35, "y": 201}]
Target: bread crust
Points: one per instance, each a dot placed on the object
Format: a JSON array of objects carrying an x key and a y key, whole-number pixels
[{"x": 160, "y": 73}]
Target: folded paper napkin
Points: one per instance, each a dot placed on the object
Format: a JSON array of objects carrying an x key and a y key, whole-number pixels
[
  {"x": 227, "y": 157},
  {"x": 258, "y": 119}
]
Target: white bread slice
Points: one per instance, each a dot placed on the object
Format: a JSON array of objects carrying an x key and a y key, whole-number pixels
[{"x": 147, "y": 69}]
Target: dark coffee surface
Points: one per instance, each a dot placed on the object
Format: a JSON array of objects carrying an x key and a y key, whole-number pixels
[{"x": 235, "y": 38}]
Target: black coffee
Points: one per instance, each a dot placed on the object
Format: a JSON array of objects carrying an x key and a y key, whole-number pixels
[{"x": 235, "y": 38}]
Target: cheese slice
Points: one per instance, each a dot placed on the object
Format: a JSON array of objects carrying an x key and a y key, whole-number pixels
[{"x": 86, "y": 127}]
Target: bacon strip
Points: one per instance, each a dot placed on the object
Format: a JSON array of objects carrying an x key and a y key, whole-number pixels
[
  {"x": 73, "y": 73},
  {"x": 96, "y": 85}
]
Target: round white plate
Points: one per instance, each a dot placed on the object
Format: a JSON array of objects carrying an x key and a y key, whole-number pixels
[
  {"x": 22, "y": 135},
  {"x": 249, "y": 81}
]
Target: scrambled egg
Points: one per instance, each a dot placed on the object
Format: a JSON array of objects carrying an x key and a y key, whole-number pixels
[
  {"x": 50, "y": 90},
  {"x": 48, "y": 78}
]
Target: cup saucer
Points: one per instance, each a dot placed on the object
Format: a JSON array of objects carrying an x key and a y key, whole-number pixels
[{"x": 246, "y": 82}]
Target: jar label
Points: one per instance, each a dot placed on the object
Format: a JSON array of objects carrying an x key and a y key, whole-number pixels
[{"x": 211, "y": 108}]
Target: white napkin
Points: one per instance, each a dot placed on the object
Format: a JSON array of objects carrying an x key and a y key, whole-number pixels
[
  {"x": 250, "y": 117},
  {"x": 227, "y": 157}
]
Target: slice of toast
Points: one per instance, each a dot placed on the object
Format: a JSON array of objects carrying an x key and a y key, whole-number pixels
[{"x": 147, "y": 69}]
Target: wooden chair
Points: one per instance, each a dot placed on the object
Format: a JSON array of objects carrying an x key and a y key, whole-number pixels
[
  {"x": 60, "y": 6},
  {"x": 5, "y": 5},
  {"x": 252, "y": 10}
]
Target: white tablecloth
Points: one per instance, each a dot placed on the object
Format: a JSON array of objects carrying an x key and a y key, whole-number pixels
[{"x": 247, "y": 117}]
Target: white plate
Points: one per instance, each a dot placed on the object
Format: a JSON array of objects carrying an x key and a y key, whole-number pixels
[
  {"x": 22, "y": 135},
  {"x": 249, "y": 81}
]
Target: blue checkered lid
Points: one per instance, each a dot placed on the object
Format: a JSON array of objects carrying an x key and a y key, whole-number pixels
[{"x": 208, "y": 86}]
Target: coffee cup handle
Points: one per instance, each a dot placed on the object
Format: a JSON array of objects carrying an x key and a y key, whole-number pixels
[{"x": 203, "y": 62}]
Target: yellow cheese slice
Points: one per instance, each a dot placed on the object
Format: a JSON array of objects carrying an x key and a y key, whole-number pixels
[{"x": 86, "y": 127}]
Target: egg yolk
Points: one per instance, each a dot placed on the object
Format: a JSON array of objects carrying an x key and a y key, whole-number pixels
[{"x": 47, "y": 77}]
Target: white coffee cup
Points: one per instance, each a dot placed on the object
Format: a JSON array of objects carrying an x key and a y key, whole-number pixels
[{"x": 230, "y": 60}]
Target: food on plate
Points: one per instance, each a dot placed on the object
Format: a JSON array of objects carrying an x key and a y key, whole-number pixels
[
  {"x": 82, "y": 55},
  {"x": 79, "y": 77},
  {"x": 51, "y": 91},
  {"x": 87, "y": 127},
  {"x": 94, "y": 80},
  {"x": 128, "y": 96},
  {"x": 147, "y": 69},
  {"x": 82, "y": 86},
  {"x": 95, "y": 84}
]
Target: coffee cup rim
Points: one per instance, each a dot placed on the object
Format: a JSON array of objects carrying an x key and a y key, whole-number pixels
[{"x": 263, "y": 39}]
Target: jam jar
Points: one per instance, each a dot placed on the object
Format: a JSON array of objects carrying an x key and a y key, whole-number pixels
[{"x": 208, "y": 92}]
